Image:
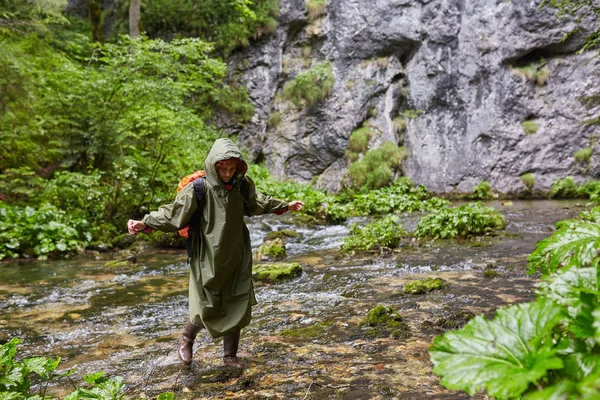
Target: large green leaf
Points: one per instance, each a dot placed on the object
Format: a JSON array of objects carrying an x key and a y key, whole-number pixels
[
  {"x": 504, "y": 355},
  {"x": 575, "y": 243}
]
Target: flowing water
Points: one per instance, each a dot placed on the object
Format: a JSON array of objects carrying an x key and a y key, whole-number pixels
[{"x": 305, "y": 340}]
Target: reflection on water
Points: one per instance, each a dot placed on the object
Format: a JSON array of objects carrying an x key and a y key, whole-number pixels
[{"x": 126, "y": 322}]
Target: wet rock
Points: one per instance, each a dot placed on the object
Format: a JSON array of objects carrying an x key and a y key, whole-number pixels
[
  {"x": 126, "y": 262},
  {"x": 281, "y": 234},
  {"x": 424, "y": 286},
  {"x": 272, "y": 250},
  {"x": 276, "y": 272}
]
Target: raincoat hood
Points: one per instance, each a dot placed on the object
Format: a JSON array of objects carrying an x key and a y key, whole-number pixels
[{"x": 223, "y": 149}]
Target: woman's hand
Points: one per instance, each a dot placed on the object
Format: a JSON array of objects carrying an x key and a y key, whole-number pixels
[
  {"x": 134, "y": 227},
  {"x": 295, "y": 205}
]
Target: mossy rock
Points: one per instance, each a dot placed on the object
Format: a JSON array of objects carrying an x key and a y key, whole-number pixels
[
  {"x": 281, "y": 234},
  {"x": 421, "y": 286},
  {"x": 276, "y": 272},
  {"x": 272, "y": 250},
  {"x": 384, "y": 321}
]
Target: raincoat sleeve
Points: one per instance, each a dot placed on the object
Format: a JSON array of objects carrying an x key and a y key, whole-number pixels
[
  {"x": 173, "y": 217},
  {"x": 259, "y": 203}
]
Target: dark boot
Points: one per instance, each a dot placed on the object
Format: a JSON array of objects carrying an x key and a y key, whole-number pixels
[
  {"x": 186, "y": 343},
  {"x": 230, "y": 348}
]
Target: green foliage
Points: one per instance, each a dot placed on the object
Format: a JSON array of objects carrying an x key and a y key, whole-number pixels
[
  {"x": 16, "y": 377},
  {"x": 315, "y": 9},
  {"x": 426, "y": 285},
  {"x": 468, "y": 219},
  {"x": 310, "y": 87},
  {"x": 40, "y": 232},
  {"x": 583, "y": 156},
  {"x": 528, "y": 180},
  {"x": 577, "y": 8},
  {"x": 504, "y": 356},
  {"x": 530, "y": 127},
  {"x": 376, "y": 169},
  {"x": 564, "y": 188},
  {"x": 591, "y": 189},
  {"x": 546, "y": 349},
  {"x": 227, "y": 24},
  {"x": 276, "y": 272},
  {"x": 234, "y": 101},
  {"x": 399, "y": 124},
  {"x": 574, "y": 243},
  {"x": 359, "y": 140},
  {"x": 400, "y": 196},
  {"x": 384, "y": 232},
  {"x": 481, "y": 191}
]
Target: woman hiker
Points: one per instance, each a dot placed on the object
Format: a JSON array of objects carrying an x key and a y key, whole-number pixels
[{"x": 220, "y": 290}]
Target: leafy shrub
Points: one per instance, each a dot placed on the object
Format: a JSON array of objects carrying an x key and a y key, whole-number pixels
[
  {"x": 530, "y": 127},
  {"x": 468, "y": 219},
  {"x": 359, "y": 140},
  {"x": 40, "y": 232},
  {"x": 528, "y": 180},
  {"x": 400, "y": 196},
  {"x": 310, "y": 87},
  {"x": 545, "y": 349},
  {"x": 482, "y": 191},
  {"x": 564, "y": 188},
  {"x": 583, "y": 156},
  {"x": 590, "y": 189},
  {"x": 376, "y": 169},
  {"x": 385, "y": 232}
]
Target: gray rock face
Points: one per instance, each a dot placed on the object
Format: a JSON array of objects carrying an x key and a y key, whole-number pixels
[{"x": 456, "y": 71}]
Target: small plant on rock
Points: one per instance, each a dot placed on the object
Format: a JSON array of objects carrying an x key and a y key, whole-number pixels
[
  {"x": 564, "y": 188},
  {"x": 530, "y": 126},
  {"x": 528, "y": 180},
  {"x": 583, "y": 156},
  {"x": 310, "y": 87}
]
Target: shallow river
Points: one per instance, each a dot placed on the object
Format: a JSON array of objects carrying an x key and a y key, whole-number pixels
[{"x": 305, "y": 340}]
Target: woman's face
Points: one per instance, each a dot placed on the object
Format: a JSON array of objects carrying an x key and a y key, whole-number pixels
[{"x": 226, "y": 170}]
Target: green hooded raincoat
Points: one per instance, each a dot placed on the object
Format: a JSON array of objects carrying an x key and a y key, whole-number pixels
[{"x": 220, "y": 290}]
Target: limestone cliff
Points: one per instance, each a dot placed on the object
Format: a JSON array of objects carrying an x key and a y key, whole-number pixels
[{"x": 483, "y": 90}]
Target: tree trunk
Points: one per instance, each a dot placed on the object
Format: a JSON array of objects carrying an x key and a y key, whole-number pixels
[
  {"x": 96, "y": 19},
  {"x": 134, "y": 18}
]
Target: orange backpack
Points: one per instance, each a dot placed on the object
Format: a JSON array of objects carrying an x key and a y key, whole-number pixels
[{"x": 182, "y": 183}]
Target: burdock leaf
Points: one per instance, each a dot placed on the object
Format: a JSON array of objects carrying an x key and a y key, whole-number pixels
[{"x": 504, "y": 355}]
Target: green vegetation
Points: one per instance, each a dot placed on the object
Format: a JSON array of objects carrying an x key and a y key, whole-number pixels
[
  {"x": 399, "y": 124},
  {"x": 530, "y": 126},
  {"x": 466, "y": 220},
  {"x": 16, "y": 379},
  {"x": 276, "y": 272},
  {"x": 426, "y": 285},
  {"x": 314, "y": 331},
  {"x": 384, "y": 321},
  {"x": 358, "y": 143},
  {"x": 528, "y": 180},
  {"x": 274, "y": 249},
  {"x": 376, "y": 169},
  {"x": 535, "y": 72},
  {"x": 385, "y": 232},
  {"x": 545, "y": 349},
  {"x": 228, "y": 25},
  {"x": 481, "y": 191},
  {"x": 410, "y": 114},
  {"x": 315, "y": 9},
  {"x": 564, "y": 188},
  {"x": 274, "y": 119},
  {"x": 583, "y": 156},
  {"x": 310, "y": 87},
  {"x": 281, "y": 234}
]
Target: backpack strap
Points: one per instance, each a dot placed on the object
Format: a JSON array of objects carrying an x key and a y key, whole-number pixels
[
  {"x": 244, "y": 189},
  {"x": 200, "y": 191}
]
